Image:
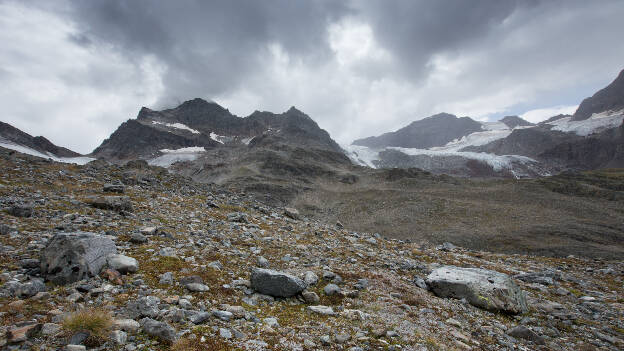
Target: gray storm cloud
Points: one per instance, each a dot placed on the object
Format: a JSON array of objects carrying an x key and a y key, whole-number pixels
[{"x": 357, "y": 67}]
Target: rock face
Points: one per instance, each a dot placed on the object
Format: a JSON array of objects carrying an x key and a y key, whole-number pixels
[
  {"x": 609, "y": 98},
  {"x": 274, "y": 283},
  {"x": 490, "y": 290},
  {"x": 39, "y": 143},
  {"x": 70, "y": 257},
  {"x": 436, "y": 130}
]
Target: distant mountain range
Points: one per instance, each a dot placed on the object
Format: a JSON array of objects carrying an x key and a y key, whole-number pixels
[
  {"x": 289, "y": 150},
  {"x": 512, "y": 147}
]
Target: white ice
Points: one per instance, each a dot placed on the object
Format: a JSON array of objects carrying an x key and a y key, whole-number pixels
[
  {"x": 172, "y": 156},
  {"x": 598, "y": 122},
  {"x": 26, "y": 150}
]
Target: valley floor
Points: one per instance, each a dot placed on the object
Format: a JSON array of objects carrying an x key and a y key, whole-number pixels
[{"x": 178, "y": 229}]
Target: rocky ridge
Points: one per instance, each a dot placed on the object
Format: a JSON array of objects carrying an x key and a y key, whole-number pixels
[{"x": 201, "y": 267}]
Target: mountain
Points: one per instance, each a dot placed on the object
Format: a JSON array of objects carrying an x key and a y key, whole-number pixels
[
  {"x": 511, "y": 147},
  {"x": 436, "y": 130},
  {"x": 17, "y": 140},
  {"x": 202, "y": 124},
  {"x": 264, "y": 153},
  {"x": 515, "y": 121},
  {"x": 611, "y": 98}
]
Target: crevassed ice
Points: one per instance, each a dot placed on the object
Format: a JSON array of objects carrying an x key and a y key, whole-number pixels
[
  {"x": 596, "y": 123},
  {"x": 170, "y": 157}
]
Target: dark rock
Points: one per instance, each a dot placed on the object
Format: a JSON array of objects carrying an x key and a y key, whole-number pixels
[
  {"x": 274, "y": 283},
  {"x": 522, "y": 332},
  {"x": 21, "y": 210},
  {"x": 30, "y": 288},
  {"x": 30, "y": 263},
  {"x": 159, "y": 330},
  {"x": 5, "y": 229},
  {"x": 79, "y": 338},
  {"x": 70, "y": 257},
  {"x": 114, "y": 188},
  {"x": 113, "y": 203},
  {"x": 138, "y": 238}
]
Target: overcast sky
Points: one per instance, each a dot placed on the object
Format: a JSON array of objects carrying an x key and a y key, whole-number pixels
[{"x": 74, "y": 70}]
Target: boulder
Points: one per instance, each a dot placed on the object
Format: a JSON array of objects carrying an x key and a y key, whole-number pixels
[
  {"x": 70, "y": 257},
  {"x": 291, "y": 213},
  {"x": 274, "y": 283},
  {"x": 114, "y": 188},
  {"x": 489, "y": 290},
  {"x": 159, "y": 330},
  {"x": 123, "y": 264},
  {"x": 30, "y": 288},
  {"x": 21, "y": 210},
  {"x": 113, "y": 203}
]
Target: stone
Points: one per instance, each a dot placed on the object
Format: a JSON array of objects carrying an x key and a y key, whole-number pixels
[
  {"x": 21, "y": 210},
  {"x": 324, "y": 310},
  {"x": 30, "y": 288},
  {"x": 138, "y": 238},
  {"x": 159, "y": 330},
  {"x": 310, "y": 297},
  {"x": 310, "y": 278},
  {"x": 166, "y": 278},
  {"x": 75, "y": 348},
  {"x": 361, "y": 284},
  {"x": 112, "y": 203},
  {"x": 420, "y": 282},
  {"x": 5, "y": 229},
  {"x": 146, "y": 306},
  {"x": 127, "y": 325},
  {"x": 489, "y": 290},
  {"x": 325, "y": 340},
  {"x": 79, "y": 337},
  {"x": 276, "y": 284},
  {"x": 237, "y": 217},
  {"x": 522, "y": 332},
  {"x": 544, "y": 278},
  {"x": 118, "y": 337},
  {"x": 22, "y": 333},
  {"x": 123, "y": 264},
  {"x": 168, "y": 252},
  {"x": 197, "y": 287},
  {"x": 225, "y": 333},
  {"x": 332, "y": 289},
  {"x": 446, "y": 247},
  {"x": 114, "y": 188},
  {"x": 262, "y": 262},
  {"x": 223, "y": 315},
  {"x": 291, "y": 213},
  {"x": 199, "y": 318},
  {"x": 50, "y": 329},
  {"x": 70, "y": 257},
  {"x": 30, "y": 263}
]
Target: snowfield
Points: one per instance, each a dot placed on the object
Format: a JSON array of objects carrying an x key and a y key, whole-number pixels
[
  {"x": 177, "y": 126},
  {"x": 170, "y": 157},
  {"x": 597, "y": 123},
  {"x": 26, "y": 150}
]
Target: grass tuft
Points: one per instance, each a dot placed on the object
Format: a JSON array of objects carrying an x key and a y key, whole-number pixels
[{"x": 96, "y": 321}]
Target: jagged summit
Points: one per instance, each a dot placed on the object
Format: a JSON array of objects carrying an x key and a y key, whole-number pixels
[
  {"x": 515, "y": 121},
  {"x": 611, "y": 98}
]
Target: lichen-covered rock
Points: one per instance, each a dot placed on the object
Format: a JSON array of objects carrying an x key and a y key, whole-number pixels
[
  {"x": 113, "y": 203},
  {"x": 70, "y": 257},
  {"x": 160, "y": 330},
  {"x": 274, "y": 283},
  {"x": 489, "y": 290}
]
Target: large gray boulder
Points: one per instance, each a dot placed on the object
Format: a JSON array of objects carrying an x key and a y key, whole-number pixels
[
  {"x": 70, "y": 257},
  {"x": 274, "y": 283},
  {"x": 489, "y": 290},
  {"x": 113, "y": 203}
]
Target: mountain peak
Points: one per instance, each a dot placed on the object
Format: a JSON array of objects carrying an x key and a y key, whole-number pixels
[{"x": 610, "y": 98}]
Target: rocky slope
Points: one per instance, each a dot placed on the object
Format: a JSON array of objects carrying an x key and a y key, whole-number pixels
[
  {"x": 172, "y": 264},
  {"x": 11, "y": 137},
  {"x": 611, "y": 98}
]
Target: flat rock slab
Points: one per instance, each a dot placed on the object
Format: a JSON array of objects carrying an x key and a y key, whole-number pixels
[
  {"x": 276, "y": 284},
  {"x": 113, "y": 203},
  {"x": 489, "y": 290},
  {"x": 70, "y": 257}
]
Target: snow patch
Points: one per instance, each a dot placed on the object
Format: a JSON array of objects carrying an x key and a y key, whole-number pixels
[
  {"x": 361, "y": 155},
  {"x": 494, "y": 126},
  {"x": 218, "y": 138},
  {"x": 172, "y": 156},
  {"x": 246, "y": 141},
  {"x": 178, "y": 126},
  {"x": 29, "y": 151},
  {"x": 598, "y": 122},
  {"x": 474, "y": 139}
]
